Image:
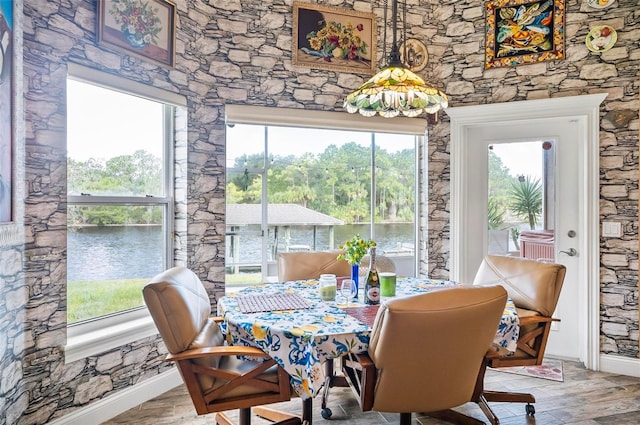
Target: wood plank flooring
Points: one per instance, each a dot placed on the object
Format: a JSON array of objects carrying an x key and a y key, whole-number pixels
[{"x": 585, "y": 397}]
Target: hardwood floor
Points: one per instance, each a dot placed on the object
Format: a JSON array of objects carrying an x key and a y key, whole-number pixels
[{"x": 585, "y": 398}]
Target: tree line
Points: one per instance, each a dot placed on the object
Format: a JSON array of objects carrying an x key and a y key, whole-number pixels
[
  {"x": 336, "y": 182},
  {"x": 139, "y": 174}
]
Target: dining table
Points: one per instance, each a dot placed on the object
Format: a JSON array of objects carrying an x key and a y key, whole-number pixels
[{"x": 307, "y": 335}]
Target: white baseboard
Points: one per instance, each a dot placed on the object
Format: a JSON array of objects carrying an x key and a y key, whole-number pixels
[
  {"x": 111, "y": 406},
  {"x": 620, "y": 365}
]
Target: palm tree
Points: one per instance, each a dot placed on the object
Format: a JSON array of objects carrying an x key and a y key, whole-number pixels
[
  {"x": 526, "y": 199},
  {"x": 495, "y": 213}
]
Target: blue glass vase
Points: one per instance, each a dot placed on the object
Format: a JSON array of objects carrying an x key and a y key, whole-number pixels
[{"x": 355, "y": 270}]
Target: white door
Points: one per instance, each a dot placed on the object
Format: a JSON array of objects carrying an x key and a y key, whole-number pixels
[{"x": 561, "y": 210}]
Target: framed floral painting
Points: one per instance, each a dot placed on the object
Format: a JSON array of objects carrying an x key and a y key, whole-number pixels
[
  {"x": 143, "y": 28},
  {"x": 523, "y": 31},
  {"x": 332, "y": 38}
]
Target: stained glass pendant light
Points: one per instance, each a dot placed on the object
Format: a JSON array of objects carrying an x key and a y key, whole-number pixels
[{"x": 395, "y": 89}]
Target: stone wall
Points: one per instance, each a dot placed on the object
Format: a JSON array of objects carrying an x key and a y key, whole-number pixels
[
  {"x": 12, "y": 323},
  {"x": 457, "y": 57},
  {"x": 227, "y": 51},
  {"x": 13, "y": 293},
  {"x": 240, "y": 52}
]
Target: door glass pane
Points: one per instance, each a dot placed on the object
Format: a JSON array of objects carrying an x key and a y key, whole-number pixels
[{"x": 521, "y": 197}]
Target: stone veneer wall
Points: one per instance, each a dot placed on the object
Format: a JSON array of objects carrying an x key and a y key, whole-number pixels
[
  {"x": 457, "y": 56},
  {"x": 13, "y": 293},
  {"x": 240, "y": 52}
]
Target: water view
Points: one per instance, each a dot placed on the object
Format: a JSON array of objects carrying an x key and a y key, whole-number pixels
[
  {"x": 114, "y": 252},
  {"x": 123, "y": 252}
]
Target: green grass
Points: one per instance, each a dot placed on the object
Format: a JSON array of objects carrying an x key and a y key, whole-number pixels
[
  {"x": 242, "y": 278},
  {"x": 89, "y": 299}
]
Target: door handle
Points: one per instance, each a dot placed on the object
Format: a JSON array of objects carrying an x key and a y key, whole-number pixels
[{"x": 571, "y": 253}]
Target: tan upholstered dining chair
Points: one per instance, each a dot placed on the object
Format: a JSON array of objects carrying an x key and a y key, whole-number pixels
[
  {"x": 310, "y": 265},
  {"x": 216, "y": 379},
  {"x": 383, "y": 264},
  {"x": 426, "y": 353},
  {"x": 534, "y": 286}
]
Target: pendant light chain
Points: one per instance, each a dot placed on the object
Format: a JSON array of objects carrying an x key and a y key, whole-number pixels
[
  {"x": 385, "y": 59},
  {"x": 404, "y": 30},
  {"x": 394, "y": 56}
]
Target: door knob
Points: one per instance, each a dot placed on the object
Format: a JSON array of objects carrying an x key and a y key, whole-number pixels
[{"x": 571, "y": 253}]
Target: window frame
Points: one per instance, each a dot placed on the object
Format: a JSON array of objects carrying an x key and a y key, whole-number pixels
[
  {"x": 96, "y": 335},
  {"x": 268, "y": 116}
]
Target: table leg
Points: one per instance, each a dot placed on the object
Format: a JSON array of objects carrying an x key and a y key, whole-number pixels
[
  {"x": 307, "y": 411},
  {"x": 330, "y": 380}
]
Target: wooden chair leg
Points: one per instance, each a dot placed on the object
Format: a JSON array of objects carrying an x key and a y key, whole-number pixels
[
  {"x": 509, "y": 397},
  {"x": 454, "y": 417},
  {"x": 244, "y": 418},
  {"x": 277, "y": 416},
  {"x": 486, "y": 409},
  {"x": 283, "y": 418},
  {"x": 222, "y": 419}
]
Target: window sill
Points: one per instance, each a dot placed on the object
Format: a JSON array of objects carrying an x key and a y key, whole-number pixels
[{"x": 85, "y": 341}]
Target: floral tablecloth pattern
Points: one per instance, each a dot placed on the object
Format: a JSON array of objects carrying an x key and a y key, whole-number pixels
[{"x": 301, "y": 340}]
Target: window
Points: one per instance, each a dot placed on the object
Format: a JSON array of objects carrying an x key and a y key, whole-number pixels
[
  {"x": 119, "y": 198},
  {"x": 294, "y": 187},
  {"x": 521, "y": 198}
]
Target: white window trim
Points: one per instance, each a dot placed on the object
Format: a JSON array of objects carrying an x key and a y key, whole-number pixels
[
  {"x": 97, "y": 336},
  {"x": 102, "y": 334},
  {"x": 113, "y": 82},
  {"x": 244, "y": 114}
]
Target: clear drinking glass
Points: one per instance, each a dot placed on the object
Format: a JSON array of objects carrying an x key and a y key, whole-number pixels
[{"x": 348, "y": 290}]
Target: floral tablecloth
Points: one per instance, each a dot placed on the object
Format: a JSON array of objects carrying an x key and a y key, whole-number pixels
[{"x": 301, "y": 340}]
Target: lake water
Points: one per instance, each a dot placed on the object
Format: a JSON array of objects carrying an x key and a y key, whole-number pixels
[
  {"x": 114, "y": 252},
  {"x": 388, "y": 236},
  {"x": 117, "y": 252}
]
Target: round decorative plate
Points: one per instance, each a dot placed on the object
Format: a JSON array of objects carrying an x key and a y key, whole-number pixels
[
  {"x": 600, "y": 4},
  {"x": 416, "y": 54},
  {"x": 601, "y": 38}
]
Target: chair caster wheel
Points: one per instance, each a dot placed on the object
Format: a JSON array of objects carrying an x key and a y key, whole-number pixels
[
  {"x": 326, "y": 413},
  {"x": 531, "y": 410}
]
